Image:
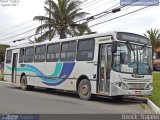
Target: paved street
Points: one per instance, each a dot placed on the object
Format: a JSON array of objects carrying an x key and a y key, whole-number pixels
[{"x": 15, "y": 100}]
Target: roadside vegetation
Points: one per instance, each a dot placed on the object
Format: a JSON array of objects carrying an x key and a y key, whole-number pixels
[
  {"x": 153, "y": 35},
  {"x": 2, "y": 58},
  {"x": 156, "y": 89}
]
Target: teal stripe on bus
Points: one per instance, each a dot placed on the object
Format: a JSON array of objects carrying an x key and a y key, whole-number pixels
[{"x": 57, "y": 70}]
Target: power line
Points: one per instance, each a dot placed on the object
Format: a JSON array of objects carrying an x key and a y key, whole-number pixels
[
  {"x": 92, "y": 17},
  {"x": 100, "y": 5},
  {"x": 24, "y": 38},
  {"x": 113, "y": 6},
  {"x": 83, "y": 2},
  {"x": 106, "y": 12},
  {"x": 96, "y": 3},
  {"x": 113, "y": 11},
  {"x": 1, "y": 34},
  {"x": 99, "y": 14},
  {"x": 89, "y": 2},
  {"x": 18, "y": 34},
  {"x": 16, "y": 26},
  {"x": 119, "y": 16}
]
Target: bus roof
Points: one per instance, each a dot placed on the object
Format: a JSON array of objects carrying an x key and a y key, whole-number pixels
[
  {"x": 66, "y": 39},
  {"x": 71, "y": 38}
]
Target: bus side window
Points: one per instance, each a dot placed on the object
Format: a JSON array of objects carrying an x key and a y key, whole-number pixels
[
  {"x": 53, "y": 52},
  {"x": 21, "y": 55},
  {"x": 29, "y": 54},
  {"x": 9, "y": 56},
  {"x": 85, "y": 50},
  {"x": 40, "y": 53},
  {"x": 68, "y": 51}
]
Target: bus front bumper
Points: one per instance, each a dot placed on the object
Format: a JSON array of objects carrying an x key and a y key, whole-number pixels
[{"x": 115, "y": 90}]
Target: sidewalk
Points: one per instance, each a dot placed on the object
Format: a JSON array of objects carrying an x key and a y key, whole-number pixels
[
  {"x": 155, "y": 108},
  {"x": 151, "y": 104}
]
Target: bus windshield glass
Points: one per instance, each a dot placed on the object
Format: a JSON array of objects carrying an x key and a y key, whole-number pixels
[{"x": 132, "y": 58}]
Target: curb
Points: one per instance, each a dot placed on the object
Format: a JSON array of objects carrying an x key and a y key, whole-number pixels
[{"x": 153, "y": 106}]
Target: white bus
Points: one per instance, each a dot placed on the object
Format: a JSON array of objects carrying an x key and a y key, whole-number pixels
[{"x": 110, "y": 64}]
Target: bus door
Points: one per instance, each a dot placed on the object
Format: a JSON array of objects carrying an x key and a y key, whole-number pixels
[
  {"x": 14, "y": 66},
  {"x": 104, "y": 68}
]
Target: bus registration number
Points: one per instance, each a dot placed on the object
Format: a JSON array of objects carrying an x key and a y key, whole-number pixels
[{"x": 138, "y": 92}]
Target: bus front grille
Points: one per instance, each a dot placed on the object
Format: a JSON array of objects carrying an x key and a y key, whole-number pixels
[{"x": 137, "y": 86}]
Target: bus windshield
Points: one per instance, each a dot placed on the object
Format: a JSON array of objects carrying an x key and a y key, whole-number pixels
[{"x": 132, "y": 58}]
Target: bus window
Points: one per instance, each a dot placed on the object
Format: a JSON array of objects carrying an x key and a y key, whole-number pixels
[
  {"x": 21, "y": 55},
  {"x": 40, "y": 52},
  {"x": 53, "y": 52},
  {"x": 29, "y": 54},
  {"x": 68, "y": 51},
  {"x": 85, "y": 50},
  {"x": 9, "y": 56}
]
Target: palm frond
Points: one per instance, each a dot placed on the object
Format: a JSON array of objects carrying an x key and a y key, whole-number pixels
[
  {"x": 42, "y": 27},
  {"x": 62, "y": 14},
  {"x": 153, "y": 34},
  {"x": 73, "y": 6}
]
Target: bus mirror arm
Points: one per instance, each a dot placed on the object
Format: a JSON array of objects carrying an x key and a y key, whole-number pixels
[{"x": 114, "y": 47}]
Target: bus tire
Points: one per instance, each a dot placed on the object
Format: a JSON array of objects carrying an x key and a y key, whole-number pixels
[
  {"x": 24, "y": 85},
  {"x": 84, "y": 89}
]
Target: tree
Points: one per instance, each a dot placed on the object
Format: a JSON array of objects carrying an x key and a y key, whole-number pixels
[
  {"x": 81, "y": 29},
  {"x": 38, "y": 39},
  {"x": 2, "y": 52},
  {"x": 153, "y": 35},
  {"x": 63, "y": 14}
]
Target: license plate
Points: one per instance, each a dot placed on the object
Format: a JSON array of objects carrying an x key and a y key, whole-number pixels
[{"x": 138, "y": 92}]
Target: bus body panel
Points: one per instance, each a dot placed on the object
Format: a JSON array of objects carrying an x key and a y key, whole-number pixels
[{"x": 65, "y": 74}]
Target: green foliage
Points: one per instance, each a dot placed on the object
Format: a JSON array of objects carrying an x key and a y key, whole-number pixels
[
  {"x": 63, "y": 14},
  {"x": 156, "y": 89},
  {"x": 81, "y": 29},
  {"x": 2, "y": 52},
  {"x": 153, "y": 35},
  {"x": 39, "y": 39}
]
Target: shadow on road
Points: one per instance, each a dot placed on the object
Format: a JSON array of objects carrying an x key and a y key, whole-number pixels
[{"x": 74, "y": 95}]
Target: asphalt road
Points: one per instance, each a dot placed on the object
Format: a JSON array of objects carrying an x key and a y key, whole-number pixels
[{"x": 40, "y": 101}]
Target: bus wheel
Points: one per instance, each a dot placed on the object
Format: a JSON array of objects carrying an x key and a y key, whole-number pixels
[
  {"x": 24, "y": 83},
  {"x": 84, "y": 89}
]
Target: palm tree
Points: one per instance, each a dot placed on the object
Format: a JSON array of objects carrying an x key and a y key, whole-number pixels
[
  {"x": 63, "y": 14},
  {"x": 82, "y": 29},
  {"x": 38, "y": 39},
  {"x": 153, "y": 35}
]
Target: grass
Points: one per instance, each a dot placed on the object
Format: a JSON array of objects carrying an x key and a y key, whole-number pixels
[{"x": 156, "y": 89}]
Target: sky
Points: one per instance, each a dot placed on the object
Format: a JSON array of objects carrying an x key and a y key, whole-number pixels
[{"x": 16, "y": 17}]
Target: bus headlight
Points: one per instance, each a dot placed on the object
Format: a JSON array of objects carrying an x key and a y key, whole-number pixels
[
  {"x": 149, "y": 86},
  {"x": 122, "y": 85}
]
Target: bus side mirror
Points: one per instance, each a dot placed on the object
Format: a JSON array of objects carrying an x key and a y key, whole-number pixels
[{"x": 114, "y": 47}]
